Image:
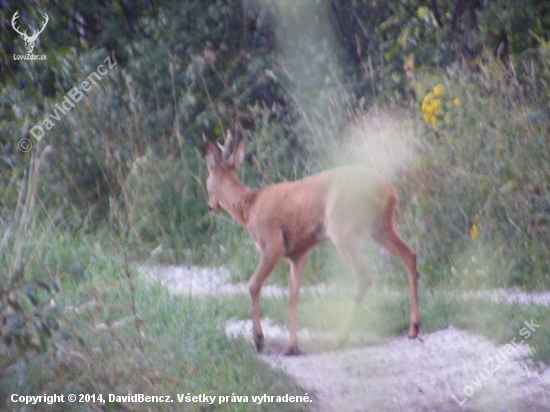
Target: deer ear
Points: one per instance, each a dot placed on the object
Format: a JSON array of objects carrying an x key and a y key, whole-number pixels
[
  {"x": 213, "y": 156},
  {"x": 237, "y": 158}
]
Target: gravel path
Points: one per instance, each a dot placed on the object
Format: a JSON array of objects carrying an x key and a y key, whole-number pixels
[
  {"x": 449, "y": 370},
  {"x": 400, "y": 374}
]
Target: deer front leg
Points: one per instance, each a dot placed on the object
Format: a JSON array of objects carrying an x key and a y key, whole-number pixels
[
  {"x": 267, "y": 263},
  {"x": 297, "y": 267}
]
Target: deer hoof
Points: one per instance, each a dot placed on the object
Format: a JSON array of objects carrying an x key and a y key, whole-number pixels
[
  {"x": 292, "y": 351},
  {"x": 414, "y": 330},
  {"x": 259, "y": 340}
]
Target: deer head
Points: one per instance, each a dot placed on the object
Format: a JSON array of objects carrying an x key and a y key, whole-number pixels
[
  {"x": 29, "y": 40},
  {"x": 223, "y": 167}
]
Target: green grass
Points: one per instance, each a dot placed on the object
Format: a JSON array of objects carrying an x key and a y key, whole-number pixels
[
  {"x": 152, "y": 342},
  {"x": 486, "y": 168},
  {"x": 385, "y": 313}
]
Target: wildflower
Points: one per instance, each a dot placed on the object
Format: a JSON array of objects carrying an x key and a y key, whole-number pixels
[
  {"x": 476, "y": 228},
  {"x": 474, "y": 232},
  {"x": 429, "y": 97},
  {"x": 434, "y": 106},
  {"x": 439, "y": 90}
]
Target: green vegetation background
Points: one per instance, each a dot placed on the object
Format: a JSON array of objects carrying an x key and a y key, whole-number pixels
[{"x": 448, "y": 98}]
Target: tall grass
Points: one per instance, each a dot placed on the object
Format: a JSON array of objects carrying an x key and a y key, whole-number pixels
[
  {"x": 111, "y": 331},
  {"x": 482, "y": 184},
  {"x": 77, "y": 318}
]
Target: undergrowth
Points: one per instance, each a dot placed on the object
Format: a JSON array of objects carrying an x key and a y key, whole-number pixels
[
  {"x": 118, "y": 333},
  {"x": 473, "y": 179}
]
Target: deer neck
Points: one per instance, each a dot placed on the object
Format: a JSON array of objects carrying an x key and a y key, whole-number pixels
[{"x": 237, "y": 199}]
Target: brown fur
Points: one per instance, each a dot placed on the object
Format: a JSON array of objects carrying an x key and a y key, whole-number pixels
[{"x": 288, "y": 219}]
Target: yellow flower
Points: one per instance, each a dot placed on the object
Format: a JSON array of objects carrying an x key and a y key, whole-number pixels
[
  {"x": 439, "y": 90},
  {"x": 429, "y": 97},
  {"x": 432, "y": 106},
  {"x": 474, "y": 232},
  {"x": 456, "y": 102},
  {"x": 476, "y": 227}
]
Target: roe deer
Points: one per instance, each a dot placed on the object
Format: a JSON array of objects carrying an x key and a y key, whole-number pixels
[{"x": 288, "y": 219}]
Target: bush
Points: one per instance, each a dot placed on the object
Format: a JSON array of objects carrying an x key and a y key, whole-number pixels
[{"x": 483, "y": 179}]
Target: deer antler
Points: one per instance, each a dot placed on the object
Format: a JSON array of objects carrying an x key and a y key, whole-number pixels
[
  {"x": 13, "y": 20},
  {"x": 226, "y": 146},
  {"x": 25, "y": 35},
  {"x": 36, "y": 33}
]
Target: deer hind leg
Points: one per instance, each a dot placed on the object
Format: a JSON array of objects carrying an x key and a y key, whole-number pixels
[
  {"x": 268, "y": 260},
  {"x": 297, "y": 267},
  {"x": 348, "y": 246},
  {"x": 386, "y": 234}
]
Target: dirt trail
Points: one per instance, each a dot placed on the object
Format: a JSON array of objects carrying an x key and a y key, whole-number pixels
[
  {"x": 400, "y": 374},
  {"x": 395, "y": 374}
]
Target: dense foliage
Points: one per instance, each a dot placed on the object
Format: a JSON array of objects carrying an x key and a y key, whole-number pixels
[{"x": 295, "y": 73}]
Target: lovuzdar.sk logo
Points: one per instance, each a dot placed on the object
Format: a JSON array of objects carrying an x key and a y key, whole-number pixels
[{"x": 30, "y": 41}]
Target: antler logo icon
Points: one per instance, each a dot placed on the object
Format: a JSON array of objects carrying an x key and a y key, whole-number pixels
[{"x": 29, "y": 40}]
